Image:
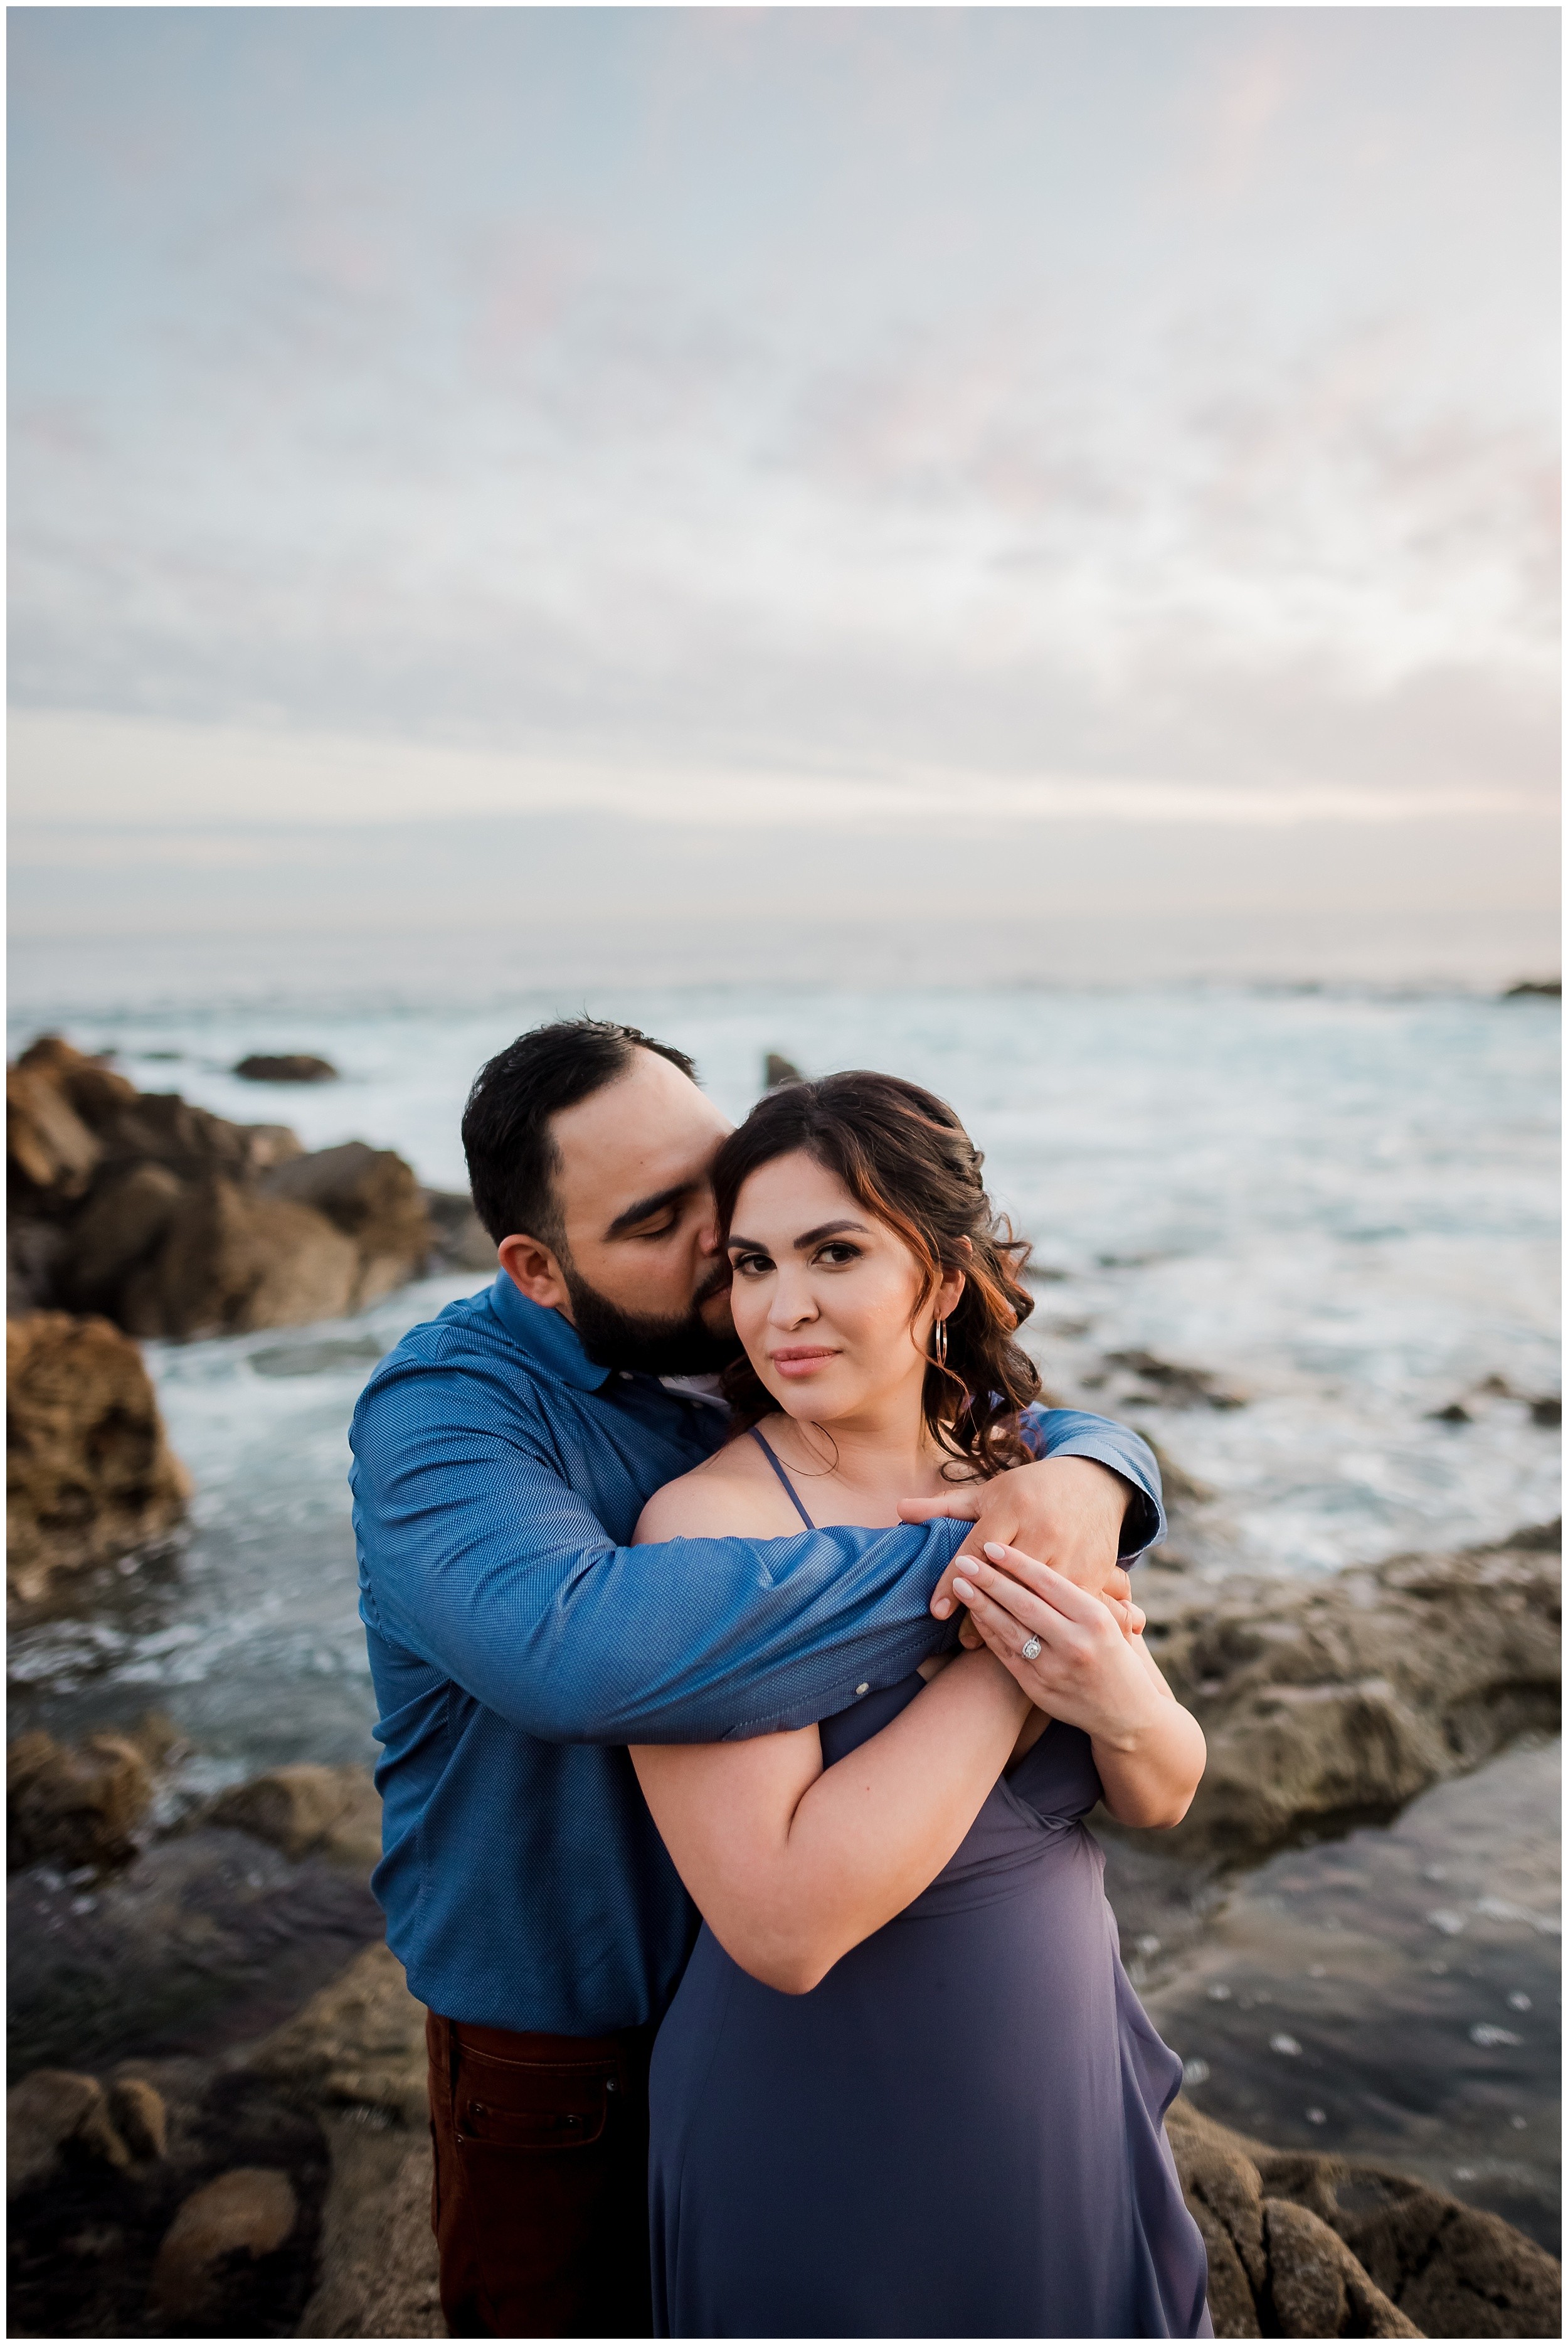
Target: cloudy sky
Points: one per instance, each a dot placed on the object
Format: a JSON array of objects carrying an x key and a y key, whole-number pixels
[{"x": 805, "y": 464}]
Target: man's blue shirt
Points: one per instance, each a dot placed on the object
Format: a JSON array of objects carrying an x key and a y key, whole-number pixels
[{"x": 518, "y": 1642}]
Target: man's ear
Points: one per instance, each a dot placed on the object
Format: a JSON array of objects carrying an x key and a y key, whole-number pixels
[{"x": 535, "y": 1272}]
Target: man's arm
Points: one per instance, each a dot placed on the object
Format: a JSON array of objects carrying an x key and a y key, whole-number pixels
[{"x": 480, "y": 1558}]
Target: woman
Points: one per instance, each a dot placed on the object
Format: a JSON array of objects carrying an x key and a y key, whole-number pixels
[{"x": 905, "y": 2088}]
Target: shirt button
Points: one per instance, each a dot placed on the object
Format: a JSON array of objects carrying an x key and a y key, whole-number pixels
[{"x": 863, "y": 1689}]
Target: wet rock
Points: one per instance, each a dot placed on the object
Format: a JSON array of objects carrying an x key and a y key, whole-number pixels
[
  {"x": 90, "y": 1085},
  {"x": 1319, "y": 2245},
  {"x": 173, "y": 1222},
  {"x": 234, "y": 1261},
  {"x": 360, "y": 2040},
  {"x": 777, "y": 1070},
  {"x": 1317, "y": 2288},
  {"x": 78, "y": 1804},
  {"x": 379, "y": 2274},
  {"x": 460, "y": 1240},
  {"x": 90, "y": 1474},
  {"x": 374, "y": 1198},
  {"x": 126, "y": 1217},
  {"x": 1551, "y": 988},
  {"x": 1338, "y": 1703},
  {"x": 332, "y": 1811},
  {"x": 47, "y": 2111},
  {"x": 137, "y": 2112},
  {"x": 243, "y": 2216},
  {"x": 285, "y": 1067},
  {"x": 85, "y": 2241},
  {"x": 1174, "y": 1386},
  {"x": 50, "y": 1152}
]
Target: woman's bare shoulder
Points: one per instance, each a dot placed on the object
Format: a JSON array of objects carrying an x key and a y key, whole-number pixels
[{"x": 733, "y": 1493}]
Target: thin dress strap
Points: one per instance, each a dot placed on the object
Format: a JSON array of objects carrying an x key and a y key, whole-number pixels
[{"x": 794, "y": 1495}]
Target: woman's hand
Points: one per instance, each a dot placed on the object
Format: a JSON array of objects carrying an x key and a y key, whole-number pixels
[{"x": 1069, "y": 1654}]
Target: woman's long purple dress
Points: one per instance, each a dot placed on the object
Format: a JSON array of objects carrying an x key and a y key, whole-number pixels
[{"x": 959, "y": 2132}]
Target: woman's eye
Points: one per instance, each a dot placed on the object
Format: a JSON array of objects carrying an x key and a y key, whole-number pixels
[
  {"x": 837, "y": 1254},
  {"x": 751, "y": 1266}
]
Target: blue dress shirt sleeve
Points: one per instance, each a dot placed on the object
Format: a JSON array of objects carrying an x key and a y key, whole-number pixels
[{"x": 477, "y": 1557}]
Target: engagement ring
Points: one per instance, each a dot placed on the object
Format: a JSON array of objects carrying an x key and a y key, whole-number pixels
[{"x": 1031, "y": 1651}]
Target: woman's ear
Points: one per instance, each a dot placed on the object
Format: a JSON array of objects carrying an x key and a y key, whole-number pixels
[{"x": 952, "y": 1285}]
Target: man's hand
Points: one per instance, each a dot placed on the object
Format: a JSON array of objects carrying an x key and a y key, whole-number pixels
[{"x": 1066, "y": 1511}]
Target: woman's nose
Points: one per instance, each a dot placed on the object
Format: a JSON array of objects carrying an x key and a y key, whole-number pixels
[{"x": 793, "y": 1301}]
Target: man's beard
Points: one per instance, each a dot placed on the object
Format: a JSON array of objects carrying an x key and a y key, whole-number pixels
[{"x": 613, "y": 1339}]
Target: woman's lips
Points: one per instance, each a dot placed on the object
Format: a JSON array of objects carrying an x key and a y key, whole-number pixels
[{"x": 801, "y": 1363}]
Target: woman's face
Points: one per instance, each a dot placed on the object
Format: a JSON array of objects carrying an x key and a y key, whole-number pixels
[{"x": 824, "y": 1294}]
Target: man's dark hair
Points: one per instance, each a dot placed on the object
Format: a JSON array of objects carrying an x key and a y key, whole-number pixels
[{"x": 512, "y": 1157}]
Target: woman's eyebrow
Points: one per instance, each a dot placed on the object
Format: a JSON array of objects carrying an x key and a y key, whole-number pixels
[{"x": 807, "y": 1238}]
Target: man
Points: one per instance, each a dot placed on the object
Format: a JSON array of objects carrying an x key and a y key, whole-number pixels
[{"x": 503, "y": 1455}]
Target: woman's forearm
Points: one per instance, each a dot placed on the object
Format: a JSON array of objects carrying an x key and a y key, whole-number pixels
[
  {"x": 789, "y": 1876},
  {"x": 1150, "y": 1771}
]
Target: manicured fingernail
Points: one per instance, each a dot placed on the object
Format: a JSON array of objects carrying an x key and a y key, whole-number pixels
[
  {"x": 996, "y": 1550},
  {"x": 942, "y": 1606},
  {"x": 962, "y": 1588}
]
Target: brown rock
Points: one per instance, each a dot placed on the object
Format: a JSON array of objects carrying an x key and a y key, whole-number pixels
[
  {"x": 1455, "y": 2269},
  {"x": 460, "y": 1239},
  {"x": 334, "y": 1811},
  {"x": 234, "y": 1260},
  {"x": 285, "y": 1067},
  {"x": 374, "y": 1198},
  {"x": 127, "y": 1215},
  {"x": 139, "y": 2116},
  {"x": 89, "y": 1473},
  {"x": 361, "y": 2039},
  {"x": 249, "y": 2211},
  {"x": 378, "y": 2274},
  {"x": 1329, "y": 1705},
  {"x": 1317, "y": 2287},
  {"x": 49, "y": 1150},
  {"x": 1442, "y": 2268},
  {"x": 94, "y": 1090},
  {"x": 46, "y": 2111},
  {"x": 79, "y": 1805}
]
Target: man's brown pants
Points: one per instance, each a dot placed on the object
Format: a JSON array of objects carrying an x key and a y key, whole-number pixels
[{"x": 540, "y": 2200}]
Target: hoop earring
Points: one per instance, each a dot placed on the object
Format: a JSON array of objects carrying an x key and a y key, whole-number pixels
[{"x": 939, "y": 1342}]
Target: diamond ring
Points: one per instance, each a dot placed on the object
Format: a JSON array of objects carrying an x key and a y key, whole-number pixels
[{"x": 1031, "y": 1651}]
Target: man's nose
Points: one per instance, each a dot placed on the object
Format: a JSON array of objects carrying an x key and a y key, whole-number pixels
[{"x": 708, "y": 1231}]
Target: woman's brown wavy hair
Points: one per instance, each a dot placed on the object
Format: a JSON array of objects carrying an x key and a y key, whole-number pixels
[{"x": 904, "y": 1157}]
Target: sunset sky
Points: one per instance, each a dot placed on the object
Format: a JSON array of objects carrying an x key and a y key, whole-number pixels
[{"x": 791, "y": 469}]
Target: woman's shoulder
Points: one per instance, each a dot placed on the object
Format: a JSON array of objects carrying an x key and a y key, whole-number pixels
[{"x": 732, "y": 1494}]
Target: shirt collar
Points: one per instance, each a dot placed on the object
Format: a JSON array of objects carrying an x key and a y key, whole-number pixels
[{"x": 545, "y": 1337}]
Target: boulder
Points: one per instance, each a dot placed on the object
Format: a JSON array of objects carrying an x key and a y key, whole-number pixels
[
  {"x": 126, "y": 1217},
  {"x": 50, "y": 1152},
  {"x": 176, "y": 1223},
  {"x": 460, "y": 1240},
  {"x": 360, "y": 2040},
  {"x": 1301, "y": 2244},
  {"x": 333, "y": 1811},
  {"x": 139, "y": 2116},
  {"x": 777, "y": 1069},
  {"x": 89, "y": 1474},
  {"x": 285, "y": 1067},
  {"x": 1338, "y": 1704},
  {"x": 380, "y": 2275},
  {"x": 76, "y": 1804},
  {"x": 374, "y": 1198},
  {"x": 47, "y": 2111},
  {"x": 248, "y": 2213},
  {"x": 91, "y": 1088},
  {"x": 233, "y": 1260}
]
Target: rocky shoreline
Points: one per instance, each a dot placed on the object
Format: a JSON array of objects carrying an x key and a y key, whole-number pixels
[
  {"x": 277, "y": 2182},
  {"x": 216, "y": 2120}
]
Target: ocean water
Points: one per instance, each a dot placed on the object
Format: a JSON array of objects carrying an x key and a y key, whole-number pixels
[{"x": 1336, "y": 1209}]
